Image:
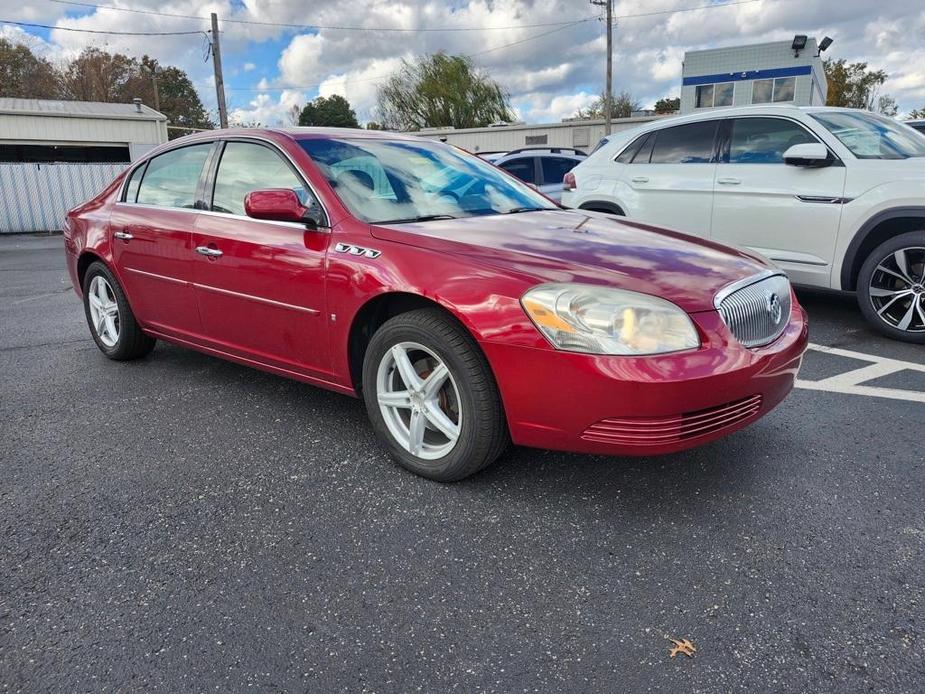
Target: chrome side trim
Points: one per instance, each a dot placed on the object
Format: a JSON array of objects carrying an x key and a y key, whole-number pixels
[
  {"x": 258, "y": 299},
  {"x": 155, "y": 276},
  {"x": 741, "y": 284},
  {"x": 823, "y": 199}
]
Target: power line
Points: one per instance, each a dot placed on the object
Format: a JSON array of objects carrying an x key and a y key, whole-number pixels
[
  {"x": 287, "y": 25},
  {"x": 100, "y": 31}
]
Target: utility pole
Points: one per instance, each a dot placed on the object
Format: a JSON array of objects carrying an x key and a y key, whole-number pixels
[
  {"x": 219, "y": 81},
  {"x": 608, "y": 85}
]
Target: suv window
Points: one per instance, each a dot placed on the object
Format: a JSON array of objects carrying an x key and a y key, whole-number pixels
[
  {"x": 764, "y": 140},
  {"x": 246, "y": 167},
  {"x": 555, "y": 168},
  {"x": 645, "y": 151},
  {"x": 521, "y": 168},
  {"x": 172, "y": 178},
  {"x": 626, "y": 156},
  {"x": 685, "y": 144}
]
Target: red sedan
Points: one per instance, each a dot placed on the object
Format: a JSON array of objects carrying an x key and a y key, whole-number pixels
[{"x": 464, "y": 307}]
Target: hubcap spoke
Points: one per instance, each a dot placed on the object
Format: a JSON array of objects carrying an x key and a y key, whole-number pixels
[
  {"x": 900, "y": 258},
  {"x": 416, "y": 432},
  {"x": 907, "y": 319},
  {"x": 895, "y": 274},
  {"x": 95, "y": 302},
  {"x": 400, "y": 399},
  {"x": 890, "y": 303},
  {"x": 406, "y": 368},
  {"x": 440, "y": 421},
  {"x": 878, "y": 292},
  {"x": 435, "y": 381}
]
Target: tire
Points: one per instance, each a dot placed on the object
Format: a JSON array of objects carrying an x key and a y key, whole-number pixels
[
  {"x": 891, "y": 287},
  {"x": 117, "y": 334},
  {"x": 468, "y": 398}
]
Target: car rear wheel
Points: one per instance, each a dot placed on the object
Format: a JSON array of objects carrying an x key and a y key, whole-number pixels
[
  {"x": 112, "y": 323},
  {"x": 431, "y": 396},
  {"x": 891, "y": 287}
]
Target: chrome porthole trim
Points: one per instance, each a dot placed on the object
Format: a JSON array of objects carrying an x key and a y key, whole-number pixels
[{"x": 419, "y": 400}]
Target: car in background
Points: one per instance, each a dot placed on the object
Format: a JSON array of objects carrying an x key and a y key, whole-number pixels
[
  {"x": 466, "y": 316},
  {"x": 490, "y": 157},
  {"x": 542, "y": 167},
  {"x": 836, "y": 197},
  {"x": 917, "y": 125}
]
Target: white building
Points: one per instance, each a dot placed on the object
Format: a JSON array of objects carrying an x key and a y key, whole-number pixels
[
  {"x": 580, "y": 134},
  {"x": 781, "y": 71},
  {"x": 56, "y": 154}
]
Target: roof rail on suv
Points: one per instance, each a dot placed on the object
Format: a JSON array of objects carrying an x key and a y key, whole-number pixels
[{"x": 544, "y": 148}]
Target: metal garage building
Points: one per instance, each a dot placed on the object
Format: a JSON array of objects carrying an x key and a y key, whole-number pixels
[{"x": 56, "y": 154}]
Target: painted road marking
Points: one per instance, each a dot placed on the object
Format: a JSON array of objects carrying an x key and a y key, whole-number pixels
[{"x": 851, "y": 382}]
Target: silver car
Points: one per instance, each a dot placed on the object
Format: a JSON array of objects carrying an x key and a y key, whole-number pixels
[{"x": 542, "y": 167}]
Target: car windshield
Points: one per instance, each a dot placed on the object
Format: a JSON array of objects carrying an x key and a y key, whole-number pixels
[
  {"x": 389, "y": 181},
  {"x": 873, "y": 137}
]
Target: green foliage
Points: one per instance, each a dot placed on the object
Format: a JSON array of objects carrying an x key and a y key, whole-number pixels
[
  {"x": 25, "y": 75},
  {"x": 441, "y": 90},
  {"x": 853, "y": 85},
  {"x": 621, "y": 106},
  {"x": 917, "y": 114},
  {"x": 668, "y": 105},
  {"x": 96, "y": 75},
  {"x": 373, "y": 125},
  {"x": 333, "y": 112}
]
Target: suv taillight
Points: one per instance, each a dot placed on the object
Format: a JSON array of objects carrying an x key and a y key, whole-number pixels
[{"x": 568, "y": 183}]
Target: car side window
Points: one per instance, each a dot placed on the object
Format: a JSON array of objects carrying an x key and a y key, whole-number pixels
[
  {"x": 626, "y": 156},
  {"x": 645, "y": 150},
  {"x": 555, "y": 168},
  {"x": 691, "y": 143},
  {"x": 131, "y": 189},
  {"x": 172, "y": 179},
  {"x": 522, "y": 168},
  {"x": 246, "y": 167},
  {"x": 764, "y": 140}
]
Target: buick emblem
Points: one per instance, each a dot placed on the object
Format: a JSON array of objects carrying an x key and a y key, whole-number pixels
[{"x": 774, "y": 308}]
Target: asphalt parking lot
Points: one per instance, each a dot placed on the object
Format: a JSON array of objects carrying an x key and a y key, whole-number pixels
[{"x": 186, "y": 524}]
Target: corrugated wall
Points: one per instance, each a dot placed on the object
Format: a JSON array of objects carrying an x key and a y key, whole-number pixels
[{"x": 35, "y": 197}]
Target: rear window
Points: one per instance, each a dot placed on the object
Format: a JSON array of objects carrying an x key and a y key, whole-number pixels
[
  {"x": 685, "y": 144},
  {"x": 171, "y": 179},
  {"x": 626, "y": 156},
  {"x": 555, "y": 168}
]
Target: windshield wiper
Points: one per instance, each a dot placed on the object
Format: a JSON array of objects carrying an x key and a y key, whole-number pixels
[
  {"x": 419, "y": 218},
  {"x": 518, "y": 210}
]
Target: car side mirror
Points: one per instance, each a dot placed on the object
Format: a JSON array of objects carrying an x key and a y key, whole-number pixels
[
  {"x": 808, "y": 154},
  {"x": 280, "y": 205}
]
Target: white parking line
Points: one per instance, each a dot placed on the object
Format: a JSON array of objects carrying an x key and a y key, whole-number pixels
[{"x": 851, "y": 382}]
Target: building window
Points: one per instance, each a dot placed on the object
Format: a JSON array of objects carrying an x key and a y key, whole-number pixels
[
  {"x": 711, "y": 95},
  {"x": 780, "y": 89},
  {"x": 535, "y": 140}
]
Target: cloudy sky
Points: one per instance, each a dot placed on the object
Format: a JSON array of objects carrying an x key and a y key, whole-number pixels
[{"x": 548, "y": 54}]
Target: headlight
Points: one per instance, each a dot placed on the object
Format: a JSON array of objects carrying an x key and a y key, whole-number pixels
[{"x": 600, "y": 320}]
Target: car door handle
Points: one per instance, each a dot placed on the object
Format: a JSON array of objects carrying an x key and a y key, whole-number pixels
[
  {"x": 124, "y": 235},
  {"x": 728, "y": 181},
  {"x": 640, "y": 179},
  {"x": 210, "y": 252}
]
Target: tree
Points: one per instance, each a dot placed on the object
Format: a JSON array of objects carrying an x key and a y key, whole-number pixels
[
  {"x": 916, "y": 114},
  {"x": 24, "y": 75},
  {"x": 333, "y": 111},
  {"x": 621, "y": 106},
  {"x": 96, "y": 75},
  {"x": 853, "y": 85},
  {"x": 668, "y": 105},
  {"x": 886, "y": 105},
  {"x": 441, "y": 90},
  {"x": 373, "y": 125}
]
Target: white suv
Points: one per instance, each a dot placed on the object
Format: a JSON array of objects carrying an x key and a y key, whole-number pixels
[{"x": 836, "y": 197}]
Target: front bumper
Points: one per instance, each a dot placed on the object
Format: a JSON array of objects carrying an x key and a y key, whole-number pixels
[{"x": 645, "y": 405}]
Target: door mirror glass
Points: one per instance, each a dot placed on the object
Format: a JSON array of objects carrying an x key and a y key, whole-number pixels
[
  {"x": 812, "y": 154},
  {"x": 278, "y": 205}
]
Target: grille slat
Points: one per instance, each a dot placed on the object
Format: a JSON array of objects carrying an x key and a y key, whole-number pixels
[
  {"x": 644, "y": 431},
  {"x": 757, "y": 313}
]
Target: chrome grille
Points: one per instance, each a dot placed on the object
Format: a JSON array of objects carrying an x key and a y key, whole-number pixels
[{"x": 757, "y": 309}]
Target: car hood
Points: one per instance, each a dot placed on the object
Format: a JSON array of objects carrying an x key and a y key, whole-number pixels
[{"x": 589, "y": 247}]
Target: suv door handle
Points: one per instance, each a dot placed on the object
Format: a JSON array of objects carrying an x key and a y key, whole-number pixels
[
  {"x": 640, "y": 179},
  {"x": 124, "y": 235},
  {"x": 728, "y": 181},
  {"x": 210, "y": 252}
]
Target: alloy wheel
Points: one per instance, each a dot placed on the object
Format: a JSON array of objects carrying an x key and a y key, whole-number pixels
[
  {"x": 897, "y": 289},
  {"x": 104, "y": 311},
  {"x": 419, "y": 400}
]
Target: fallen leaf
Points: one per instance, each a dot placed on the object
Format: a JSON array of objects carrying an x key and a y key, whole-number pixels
[{"x": 684, "y": 646}]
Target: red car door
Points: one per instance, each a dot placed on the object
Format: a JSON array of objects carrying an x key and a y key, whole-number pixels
[
  {"x": 153, "y": 242},
  {"x": 260, "y": 284}
]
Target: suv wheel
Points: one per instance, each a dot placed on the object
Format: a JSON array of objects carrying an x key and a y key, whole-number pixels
[
  {"x": 891, "y": 287},
  {"x": 431, "y": 396}
]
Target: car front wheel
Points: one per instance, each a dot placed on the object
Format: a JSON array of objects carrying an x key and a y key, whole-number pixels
[
  {"x": 431, "y": 396},
  {"x": 112, "y": 323},
  {"x": 891, "y": 287}
]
